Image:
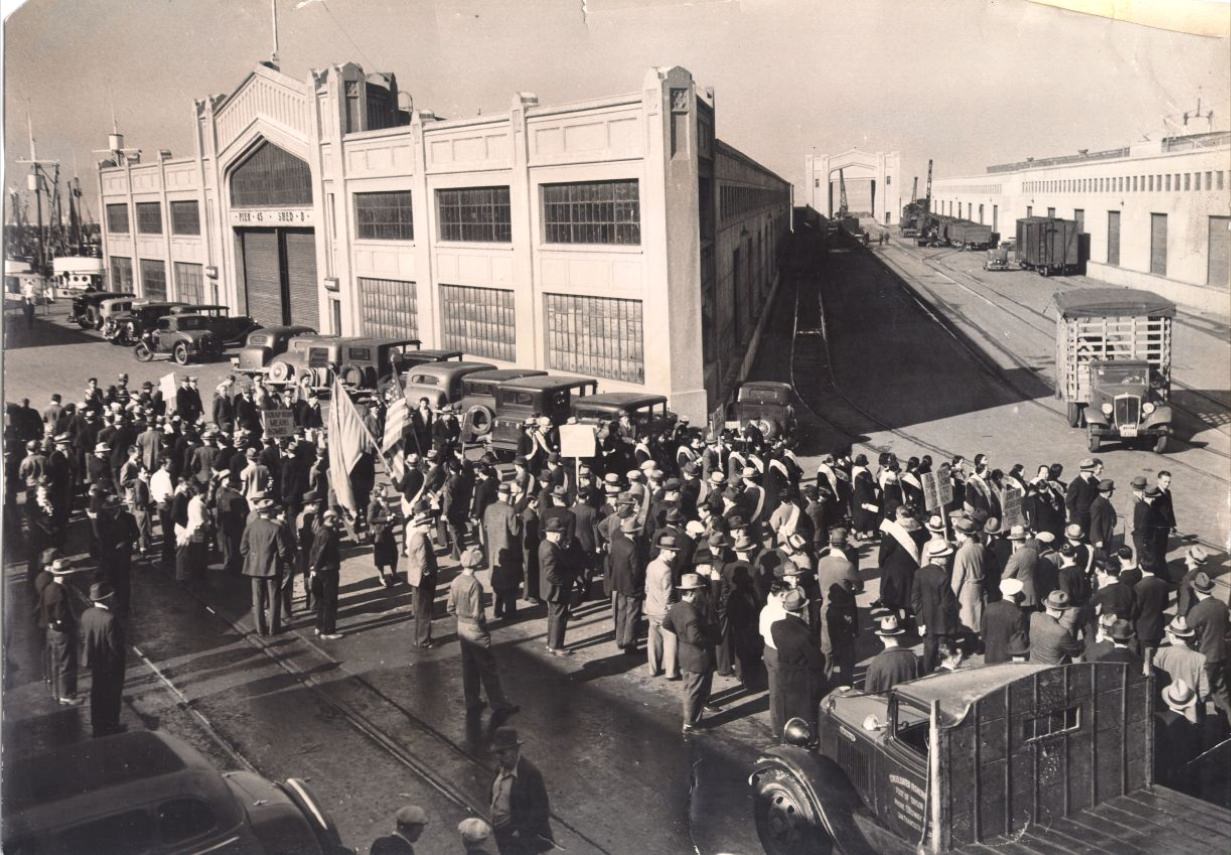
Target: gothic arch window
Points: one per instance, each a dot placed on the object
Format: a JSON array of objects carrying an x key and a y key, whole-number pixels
[{"x": 271, "y": 177}]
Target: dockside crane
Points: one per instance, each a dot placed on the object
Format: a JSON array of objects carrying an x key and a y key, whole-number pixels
[
  {"x": 914, "y": 190},
  {"x": 842, "y": 206}
]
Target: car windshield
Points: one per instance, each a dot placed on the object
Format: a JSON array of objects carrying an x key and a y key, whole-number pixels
[
  {"x": 1126, "y": 374},
  {"x": 192, "y": 323}
]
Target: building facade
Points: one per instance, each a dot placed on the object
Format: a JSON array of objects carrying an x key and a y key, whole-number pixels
[
  {"x": 873, "y": 182},
  {"x": 615, "y": 238},
  {"x": 1157, "y": 213}
]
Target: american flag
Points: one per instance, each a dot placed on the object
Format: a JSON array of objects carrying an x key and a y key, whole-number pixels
[{"x": 395, "y": 421}]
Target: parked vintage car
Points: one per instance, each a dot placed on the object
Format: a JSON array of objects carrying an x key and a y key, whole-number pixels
[
  {"x": 518, "y": 400},
  {"x": 185, "y": 337},
  {"x": 1019, "y": 757},
  {"x": 647, "y": 413},
  {"x": 359, "y": 361},
  {"x": 84, "y": 310},
  {"x": 478, "y": 401},
  {"x": 264, "y": 344},
  {"x": 767, "y": 404},
  {"x": 113, "y": 307},
  {"x": 127, "y": 326},
  {"x": 230, "y": 328},
  {"x": 148, "y": 792},
  {"x": 439, "y": 382}
]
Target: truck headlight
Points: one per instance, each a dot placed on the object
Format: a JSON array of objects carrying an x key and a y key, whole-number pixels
[
  {"x": 1147, "y": 407},
  {"x": 1106, "y": 408}
]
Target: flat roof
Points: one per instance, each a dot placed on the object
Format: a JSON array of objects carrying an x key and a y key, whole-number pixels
[
  {"x": 1111, "y": 302},
  {"x": 957, "y": 690}
]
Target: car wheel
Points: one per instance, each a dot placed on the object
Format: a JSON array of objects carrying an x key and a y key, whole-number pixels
[
  {"x": 352, "y": 375},
  {"x": 1160, "y": 444},
  {"x": 1073, "y": 412},
  {"x": 1092, "y": 439},
  {"x": 143, "y": 352},
  {"x": 787, "y": 820},
  {"x": 280, "y": 372},
  {"x": 181, "y": 353}
]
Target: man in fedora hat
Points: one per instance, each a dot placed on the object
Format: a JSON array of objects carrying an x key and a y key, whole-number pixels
[
  {"x": 421, "y": 570},
  {"x": 801, "y": 669},
  {"x": 325, "y": 564},
  {"x": 556, "y": 568},
  {"x": 1151, "y": 596},
  {"x": 267, "y": 551},
  {"x": 104, "y": 652},
  {"x": 1208, "y": 619},
  {"x": 475, "y": 642},
  {"x": 935, "y": 605},
  {"x": 1050, "y": 641},
  {"x": 502, "y": 535},
  {"x": 1194, "y": 563},
  {"x": 627, "y": 566},
  {"x": 1177, "y": 660},
  {"x": 57, "y": 617},
  {"x": 1177, "y": 736},
  {"x": 660, "y": 644},
  {"x": 839, "y": 584},
  {"x": 520, "y": 810},
  {"x": 1121, "y": 635},
  {"x": 691, "y": 624},
  {"x": 895, "y": 664},
  {"x": 409, "y": 822},
  {"x": 1112, "y": 596},
  {"x": 1082, "y": 491},
  {"x": 898, "y": 558},
  {"x": 1003, "y": 620}
]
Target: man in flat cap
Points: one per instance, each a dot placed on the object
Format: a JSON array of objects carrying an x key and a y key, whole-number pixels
[
  {"x": 475, "y": 642},
  {"x": 476, "y": 836},
  {"x": 409, "y": 822}
]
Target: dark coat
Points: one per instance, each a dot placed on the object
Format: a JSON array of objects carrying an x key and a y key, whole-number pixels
[
  {"x": 266, "y": 548},
  {"x": 103, "y": 646},
  {"x": 627, "y": 565},
  {"x": 890, "y": 667},
  {"x": 1002, "y": 622},
  {"x": 325, "y": 556},
  {"x": 1102, "y": 523},
  {"x": 1080, "y": 495},
  {"x": 556, "y": 572},
  {"x": 695, "y": 634},
  {"x": 529, "y": 808},
  {"x": 933, "y": 601},
  {"x": 801, "y": 667},
  {"x": 384, "y": 540},
  {"x": 897, "y": 568},
  {"x": 1117, "y": 599},
  {"x": 1208, "y": 619},
  {"x": 1151, "y": 595}
]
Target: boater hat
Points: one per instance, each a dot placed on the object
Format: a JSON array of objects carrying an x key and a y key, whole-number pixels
[
  {"x": 1179, "y": 627},
  {"x": 1179, "y": 694},
  {"x": 1011, "y": 587},
  {"x": 889, "y": 627},
  {"x": 691, "y": 582}
]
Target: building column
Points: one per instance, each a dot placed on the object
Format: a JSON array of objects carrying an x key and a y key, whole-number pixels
[{"x": 529, "y": 312}]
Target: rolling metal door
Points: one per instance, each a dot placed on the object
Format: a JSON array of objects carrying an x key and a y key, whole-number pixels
[
  {"x": 1158, "y": 244},
  {"x": 1220, "y": 252},
  {"x": 262, "y": 275},
  {"x": 300, "y": 253}
]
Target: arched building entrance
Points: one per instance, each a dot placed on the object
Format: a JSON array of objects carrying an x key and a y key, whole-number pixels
[{"x": 873, "y": 183}]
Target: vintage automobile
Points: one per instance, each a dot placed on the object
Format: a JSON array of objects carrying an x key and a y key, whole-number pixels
[
  {"x": 150, "y": 793},
  {"x": 1113, "y": 364},
  {"x": 520, "y": 399},
  {"x": 359, "y": 361},
  {"x": 1023, "y": 758},
  {"x": 264, "y": 344},
  {"x": 184, "y": 337},
  {"x": 478, "y": 401},
  {"x": 1001, "y": 257},
  {"x": 127, "y": 326},
  {"x": 767, "y": 404},
  {"x": 648, "y": 413},
  {"x": 439, "y": 382},
  {"x": 230, "y": 328},
  {"x": 84, "y": 310}
]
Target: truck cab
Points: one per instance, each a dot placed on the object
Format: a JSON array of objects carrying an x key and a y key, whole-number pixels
[
  {"x": 1113, "y": 364},
  {"x": 1018, "y": 757}
]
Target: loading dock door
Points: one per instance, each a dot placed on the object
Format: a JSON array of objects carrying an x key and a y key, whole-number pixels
[
  {"x": 280, "y": 275},
  {"x": 1220, "y": 252}
]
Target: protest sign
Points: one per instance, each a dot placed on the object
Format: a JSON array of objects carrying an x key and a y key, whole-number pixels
[
  {"x": 577, "y": 441},
  {"x": 278, "y": 423},
  {"x": 166, "y": 385}
]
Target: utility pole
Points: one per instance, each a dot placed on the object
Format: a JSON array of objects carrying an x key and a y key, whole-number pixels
[{"x": 35, "y": 181}]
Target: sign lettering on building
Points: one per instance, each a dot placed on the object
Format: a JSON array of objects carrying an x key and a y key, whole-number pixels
[{"x": 272, "y": 217}]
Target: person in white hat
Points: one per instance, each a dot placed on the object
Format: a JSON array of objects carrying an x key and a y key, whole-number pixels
[
  {"x": 1177, "y": 736},
  {"x": 1003, "y": 620},
  {"x": 1194, "y": 562},
  {"x": 421, "y": 570},
  {"x": 1180, "y": 661},
  {"x": 476, "y": 836}
]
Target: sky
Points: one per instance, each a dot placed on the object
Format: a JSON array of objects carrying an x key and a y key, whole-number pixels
[{"x": 966, "y": 82}]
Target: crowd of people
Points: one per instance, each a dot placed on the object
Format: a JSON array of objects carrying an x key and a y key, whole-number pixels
[{"x": 715, "y": 546}]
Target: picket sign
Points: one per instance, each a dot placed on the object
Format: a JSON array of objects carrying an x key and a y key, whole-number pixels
[
  {"x": 578, "y": 441},
  {"x": 278, "y": 422},
  {"x": 166, "y": 385}
]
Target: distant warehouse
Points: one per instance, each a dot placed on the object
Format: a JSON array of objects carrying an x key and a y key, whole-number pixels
[
  {"x": 1158, "y": 213},
  {"x": 615, "y": 238}
]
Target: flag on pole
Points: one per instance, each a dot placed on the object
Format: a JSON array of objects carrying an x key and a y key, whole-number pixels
[
  {"x": 346, "y": 433},
  {"x": 396, "y": 418}
]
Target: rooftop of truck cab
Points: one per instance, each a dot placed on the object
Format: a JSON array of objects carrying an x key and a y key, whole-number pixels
[
  {"x": 957, "y": 690},
  {"x": 1111, "y": 303}
]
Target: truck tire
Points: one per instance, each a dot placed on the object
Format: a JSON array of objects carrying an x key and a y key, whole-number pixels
[
  {"x": 1160, "y": 443},
  {"x": 480, "y": 419},
  {"x": 352, "y": 375},
  {"x": 788, "y": 823},
  {"x": 143, "y": 352},
  {"x": 1073, "y": 413},
  {"x": 768, "y": 428},
  {"x": 280, "y": 372},
  {"x": 1092, "y": 439}
]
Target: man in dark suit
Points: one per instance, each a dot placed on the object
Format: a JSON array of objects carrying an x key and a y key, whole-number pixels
[
  {"x": 105, "y": 654},
  {"x": 1177, "y": 737},
  {"x": 520, "y": 810},
  {"x": 502, "y": 535},
  {"x": 1113, "y": 596},
  {"x": 410, "y": 822},
  {"x": 267, "y": 553},
  {"x": 1121, "y": 634},
  {"x": 627, "y": 563},
  {"x": 1081, "y": 493},
  {"x": 1003, "y": 621},
  {"x": 1151, "y": 597},
  {"x": 1209, "y": 619},
  {"x": 895, "y": 664},
  {"x": 1103, "y": 519},
  {"x": 933, "y": 602},
  {"x": 800, "y": 677},
  {"x": 557, "y": 572},
  {"x": 585, "y": 540},
  {"x": 690, "y": 621},
  {"x": 1050, "y": 640}
]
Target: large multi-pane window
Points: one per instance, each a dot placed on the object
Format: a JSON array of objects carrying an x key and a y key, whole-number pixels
[
  {"x": 598, "y": 212},
  {"x": 117, "y": 219},
  {"x": 190, "y": 283},
  {"x": 149, "y": 218},
  {"x": 153, "y": 279},
  {"x": 479, "y": 321},
  {"x": 185, "y": 218},
  {"x": 384, "y": 216},
  {"x": 121, "y": 274},
  {"x": 597, "y": 336},
  {"x": 389, "y": 307},
  {"x": 479, "y": 214},
  {"x": 271, "y": 177}
]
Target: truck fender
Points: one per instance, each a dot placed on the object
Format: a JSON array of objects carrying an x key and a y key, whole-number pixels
[
  {"x": 1094, "y": 416},
  {"x": 830, "y": 790},
  {"x": 1161, "y": 416}
]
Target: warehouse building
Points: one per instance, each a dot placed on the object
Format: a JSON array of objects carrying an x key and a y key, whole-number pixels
[
  {"x": 616, "y": 238},
  {"x": 1157, "y": 213}
]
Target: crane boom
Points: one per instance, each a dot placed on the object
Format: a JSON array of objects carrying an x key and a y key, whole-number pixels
[{"x": 842, "y": 206}]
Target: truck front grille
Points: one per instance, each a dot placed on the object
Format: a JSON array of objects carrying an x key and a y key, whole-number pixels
[{"x": 1128, "y": 410}]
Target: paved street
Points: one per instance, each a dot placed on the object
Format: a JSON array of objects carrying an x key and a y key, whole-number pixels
[{"x": 373, "y": 722}]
